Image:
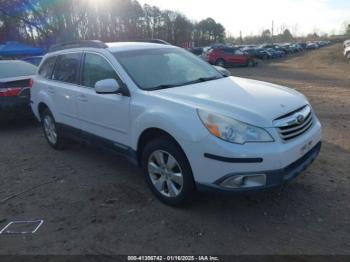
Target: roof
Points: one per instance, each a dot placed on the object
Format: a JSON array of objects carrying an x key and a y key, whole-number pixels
[
  {"x": 18, "y": 49},
  {"x": 129, "y": 46},
  {"x": 111, "y": 47}
]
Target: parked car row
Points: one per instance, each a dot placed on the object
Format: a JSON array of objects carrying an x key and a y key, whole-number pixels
[
  {"x": 346, "y": 46},
  {"x": 248, "y": 55}
]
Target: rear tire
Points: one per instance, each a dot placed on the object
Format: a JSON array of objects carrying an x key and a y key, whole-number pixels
[
  {"x": 168, "y": 172},
  {"x": 51, "y": 131},
  {"x": 250, "y": 63},
  {"x": 220, "y": 62},
  {"x": 348, "y": 55}
]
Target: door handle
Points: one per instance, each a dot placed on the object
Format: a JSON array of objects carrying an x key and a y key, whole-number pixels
[{"x": 82, "y": 98}]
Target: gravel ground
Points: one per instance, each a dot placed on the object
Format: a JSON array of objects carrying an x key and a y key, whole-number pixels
[{"x": 93, "y": 202}]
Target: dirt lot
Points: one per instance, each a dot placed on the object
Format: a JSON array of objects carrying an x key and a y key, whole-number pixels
[{"x": 96, "y": 203}]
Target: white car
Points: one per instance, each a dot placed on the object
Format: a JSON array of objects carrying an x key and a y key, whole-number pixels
[
  {"x": 188, "y": 126},
  {"x": 347, "y": 52}
]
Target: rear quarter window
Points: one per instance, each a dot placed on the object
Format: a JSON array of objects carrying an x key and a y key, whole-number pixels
[
  {"x": 67, "y": 68},
  {"x": 46, "y": 69}
]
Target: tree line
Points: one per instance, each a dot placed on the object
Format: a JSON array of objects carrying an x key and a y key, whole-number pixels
[
  {"x": 283, "y": 37},
  {"x": 44, "y": 22}
]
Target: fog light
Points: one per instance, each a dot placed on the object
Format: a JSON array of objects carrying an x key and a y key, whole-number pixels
[{"x": 245, "y": 181}]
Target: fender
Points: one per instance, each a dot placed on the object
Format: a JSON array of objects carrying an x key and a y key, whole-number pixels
[
  {"x": 43, "y": 97},
  {"x": 191, "y": 129}
]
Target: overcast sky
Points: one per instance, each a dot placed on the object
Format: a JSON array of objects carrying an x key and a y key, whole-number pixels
[{"x": 252, "y": 16}]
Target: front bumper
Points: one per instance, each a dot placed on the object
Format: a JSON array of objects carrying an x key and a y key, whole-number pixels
[
  {"x": 213, "y": 159},
  {"x": 274, "y": 178}
]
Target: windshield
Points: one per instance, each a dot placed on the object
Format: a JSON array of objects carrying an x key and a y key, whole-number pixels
[
  {"x": 153, "y": 69},
  {"x": 16, "y": 69}
]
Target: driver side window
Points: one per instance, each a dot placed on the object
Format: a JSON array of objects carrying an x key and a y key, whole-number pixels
[{"x": 96, "y": 68}]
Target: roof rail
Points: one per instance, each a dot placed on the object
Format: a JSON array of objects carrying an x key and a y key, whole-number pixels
[
  {"x": 154, "y": 41},
  {"x": 77, "y": 44}
]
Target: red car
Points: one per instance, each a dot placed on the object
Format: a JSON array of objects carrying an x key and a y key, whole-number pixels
[{"x": 226, "y": 56}]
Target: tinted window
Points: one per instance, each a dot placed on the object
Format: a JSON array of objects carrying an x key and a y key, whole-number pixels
[
  {"x": 229, "y": 51},
  {"x": 96, "y": 68},
  {"x": 67, "y": 68},
  {"x": 47, "y": 67}
]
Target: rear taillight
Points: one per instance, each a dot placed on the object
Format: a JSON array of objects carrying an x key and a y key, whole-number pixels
[
  {"x": 14, "y": 88},
  {"x": 12, "y": 91}
]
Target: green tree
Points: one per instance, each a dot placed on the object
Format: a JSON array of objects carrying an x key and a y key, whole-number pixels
[
  {"x": 46, "y": 22},
  {"x": 347, "y": 29},
  {"x": 266, "y": 35},
  {"x": 287, "y": 35}
]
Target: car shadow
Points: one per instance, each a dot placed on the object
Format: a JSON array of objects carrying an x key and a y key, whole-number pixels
[{"x": 18, "y": 123}]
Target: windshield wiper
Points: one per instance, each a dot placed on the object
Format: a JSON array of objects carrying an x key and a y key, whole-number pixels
[
  {"x": 198, "y": 80},
  {"x": 162, "y": 86},
  {"x": 202, "y": 79}
]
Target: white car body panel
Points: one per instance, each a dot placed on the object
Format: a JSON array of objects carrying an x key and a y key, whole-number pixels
[
  {"x": 276, "y": 155},
  {"x": 123, "y": 119},
  {"x": 250, "y": 101},
  {"x": 104, "y": 115}
]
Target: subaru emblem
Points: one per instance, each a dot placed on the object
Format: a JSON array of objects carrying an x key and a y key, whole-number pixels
[{"x": 300, "y": 119}]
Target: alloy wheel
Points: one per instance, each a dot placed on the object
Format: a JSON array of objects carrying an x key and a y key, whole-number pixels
[
  {"x": 50, "y": 129},
  {"x": 165, "y": 173}
]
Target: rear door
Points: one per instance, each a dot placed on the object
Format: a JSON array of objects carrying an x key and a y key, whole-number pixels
[
  {"x": 63, "y": 88},
  {"x": 103, "y": 115},
  {"x": 239, "y": 57},
  {"x": 229, "y": 55}
]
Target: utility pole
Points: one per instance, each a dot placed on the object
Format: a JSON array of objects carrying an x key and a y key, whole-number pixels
[
  {"x": 240, "y": 37},
  {"x": 272, "y": 27}
]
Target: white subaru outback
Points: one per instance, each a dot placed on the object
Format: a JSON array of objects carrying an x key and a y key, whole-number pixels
[{"x": 188, "y": 126}]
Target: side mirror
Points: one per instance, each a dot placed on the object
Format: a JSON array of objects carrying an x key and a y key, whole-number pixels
[
  {"x": 107, "y": 86},
  {"x": 223, "y": 71}
]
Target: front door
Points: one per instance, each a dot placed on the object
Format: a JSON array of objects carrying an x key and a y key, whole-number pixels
[{"x": 103, "y": 115}]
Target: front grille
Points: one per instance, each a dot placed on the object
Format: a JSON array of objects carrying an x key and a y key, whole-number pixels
[{"x": 295, "y": 123}]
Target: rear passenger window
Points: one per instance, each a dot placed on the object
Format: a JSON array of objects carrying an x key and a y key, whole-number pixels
[
  {"x": 47, "y": 67},
  {"x": 96, "y": 68},
  {"x": 229, "y": 51},
  {"x": 67, "y": 68}
]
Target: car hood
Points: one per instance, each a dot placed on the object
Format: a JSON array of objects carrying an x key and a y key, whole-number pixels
[{"x": 254, "y": 102}]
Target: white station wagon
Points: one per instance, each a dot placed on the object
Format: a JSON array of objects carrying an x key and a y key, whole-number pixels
[{"x": 188, "y": 125}]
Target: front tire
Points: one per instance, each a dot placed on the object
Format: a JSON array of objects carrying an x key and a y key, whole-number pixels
[
  {"x": 168, "y": 172},
  {"x": 348, "y": 55},
  {"x": 51, "y": 132}
]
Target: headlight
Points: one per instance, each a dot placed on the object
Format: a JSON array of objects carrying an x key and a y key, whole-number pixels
[{"x": 232, "y": 130}]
